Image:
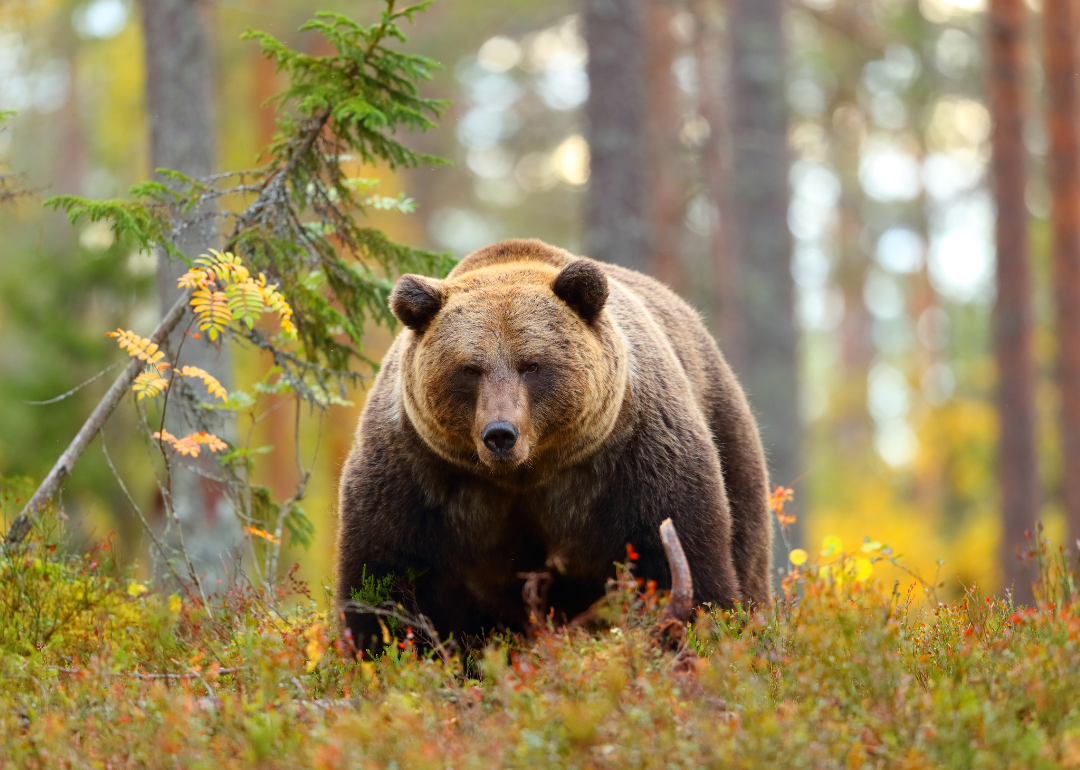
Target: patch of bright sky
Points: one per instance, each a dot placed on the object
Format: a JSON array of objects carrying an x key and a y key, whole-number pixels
[
  {"x": 22, "y": 86},
  {"x": 961, "y": 259},
  {"x": 887, "y": 172},
  {"x": 900, "y": 250},
  {"x": 100, "y": 19}
]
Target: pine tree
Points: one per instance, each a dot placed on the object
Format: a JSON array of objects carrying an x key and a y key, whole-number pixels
[
  {"x": 1061, "y": 43},
  {"x": 617, "y": 221},
  {"x": 760, "y": 204},
  {"x": 1013, "y": 317}
]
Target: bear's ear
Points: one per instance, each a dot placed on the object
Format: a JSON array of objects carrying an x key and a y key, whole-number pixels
[
  {"x": 415, "y": 300},
  {"x": 583, "y": 286}
]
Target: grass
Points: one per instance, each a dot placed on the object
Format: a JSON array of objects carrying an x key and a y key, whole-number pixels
[{"x": 99, "y": 671}]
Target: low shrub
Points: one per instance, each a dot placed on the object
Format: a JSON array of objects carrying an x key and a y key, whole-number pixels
[{"x": 98, "y": 670}]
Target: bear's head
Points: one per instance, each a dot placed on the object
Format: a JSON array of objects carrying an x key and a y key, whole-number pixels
[{"x": 511, "y": 368}]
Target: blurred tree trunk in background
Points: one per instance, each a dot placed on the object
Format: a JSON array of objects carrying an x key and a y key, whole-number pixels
[
  {"x": 710, "y": 44},
  {"x": 760, "y": 203},
  {"x": 72, "y": 149},
  {"x": 1013, "y": 321},
  {"x": 617, "y": 219},
  {"x": 665, "y": 183},
  {"x": 179, "y": 102},
  {"x": 1060, "y": 43},
  {"x": 854, "y": 429}
]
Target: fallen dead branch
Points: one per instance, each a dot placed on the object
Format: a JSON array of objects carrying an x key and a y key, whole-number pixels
[
  {"x": 146, "y": 677},
  {"x": 671, "y": 628},
  {"x": 534, "y": 594},
  {"x": 51, "y": 485}
]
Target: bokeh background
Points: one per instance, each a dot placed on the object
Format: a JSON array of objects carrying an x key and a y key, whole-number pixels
[{"x": 888, "y": 208}]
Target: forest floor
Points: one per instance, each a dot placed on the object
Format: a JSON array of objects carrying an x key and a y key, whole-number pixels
[{"x": 100, "y": 671}]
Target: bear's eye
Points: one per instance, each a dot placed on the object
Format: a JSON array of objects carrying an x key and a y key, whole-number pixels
[
  {"x": 530, "y": 368},
  {"x": 470, "y": 371}
]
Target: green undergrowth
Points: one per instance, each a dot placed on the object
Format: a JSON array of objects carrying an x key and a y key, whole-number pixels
[{"x": 98, "y": 670}]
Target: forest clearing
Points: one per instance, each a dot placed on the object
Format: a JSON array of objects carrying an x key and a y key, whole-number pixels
[
  {"x": 352, "y": 356},
  {"x": 846, "y": 672}
]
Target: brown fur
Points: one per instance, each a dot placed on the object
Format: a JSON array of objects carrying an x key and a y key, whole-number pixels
[{"x": 626, "y": 413}]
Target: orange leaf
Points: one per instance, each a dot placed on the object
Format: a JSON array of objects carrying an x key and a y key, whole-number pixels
[
  {"x": 779, "y": 496},
  {"x": 212, "y": 385},
  {"x": 137, "y": 346},
  {"x": 263, "y": 534},
  {"x": 189, "y": 445}
]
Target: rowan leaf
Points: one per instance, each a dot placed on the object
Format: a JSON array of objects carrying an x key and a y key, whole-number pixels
[
  {"x": 213, "y": 386},
  {"x": 211, "y": 311},
  {"x": 246, "y": 301},
  {"x": 212, "y": 267},
  {"x": 189, "y": 445},
  {"x": 149, "y": 383},
  {"x": 138, "y": 347},
  {"x": 275, "y": 302}
]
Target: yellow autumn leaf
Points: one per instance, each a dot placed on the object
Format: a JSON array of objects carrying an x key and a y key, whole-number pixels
[
  {"x": 149, "y": 384},
  {"x": 860, "y": 568},
  {"x": 798, "y": 556},
  {"x": 315, "y": 648},
  {"x": 136, "y": 589},
  {"x": 831, "y": 545},
  {"x": 213, "y": 386},
  {"x": 137, "y": 347},
  {"x": 175, "y": 604},
  {"x": 870, "y": 546}
]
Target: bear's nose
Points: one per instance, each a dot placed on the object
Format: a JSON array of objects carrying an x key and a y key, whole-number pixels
[{"x": 499, "y": 435}]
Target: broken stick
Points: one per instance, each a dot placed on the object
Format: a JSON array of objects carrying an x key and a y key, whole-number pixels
[
  {"x": 682, "y": 586},
  {"x": 60, "y": 471}
]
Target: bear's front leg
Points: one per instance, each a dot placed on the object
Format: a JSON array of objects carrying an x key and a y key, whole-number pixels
[
  {"x": 666, "y": 473},
  {"x": 388, "y": 536}
]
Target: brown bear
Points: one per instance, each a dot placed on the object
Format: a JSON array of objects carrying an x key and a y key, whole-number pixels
[{"x": 539, "y": 412}]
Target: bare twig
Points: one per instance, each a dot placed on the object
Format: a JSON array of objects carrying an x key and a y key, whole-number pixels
[
  {"x": 420, "y": 623},
  {"x": 209, "y": 689},
  {"x": 138, "y": 512},
  {"x": 301, "y": 490},
  {"x": 51, "y": 485},
  {"x": 78, "y": 387},
  {"x": 170, "y": 513},
  {"x": 140, "y": 675}
]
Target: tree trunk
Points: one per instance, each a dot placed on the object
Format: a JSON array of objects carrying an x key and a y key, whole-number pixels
[
  {"x": 759, "y": 138},
  {"x": 665, "y": 197},
  {"x": 1060, "y": 43},
  {"x": 713, "y": 81},
  {"x": 1013, "y": 325},
  {"x": 617, "y": 220},
  {"x": 179, "y": 100}
]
